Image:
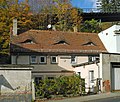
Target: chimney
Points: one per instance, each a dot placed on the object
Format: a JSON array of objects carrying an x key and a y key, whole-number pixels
[
  {"x": 53, "y": 28},
  {"x": 15, "y": 27},
  {"x": 75, "y": 29}
]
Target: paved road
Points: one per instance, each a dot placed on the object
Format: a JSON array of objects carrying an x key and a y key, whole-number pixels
[
  {"x": 113, "y": 99},
  {"x": 103, "y": 97}
]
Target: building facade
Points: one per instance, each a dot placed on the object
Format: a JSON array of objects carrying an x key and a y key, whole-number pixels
[{"x": 54, "y": 53}]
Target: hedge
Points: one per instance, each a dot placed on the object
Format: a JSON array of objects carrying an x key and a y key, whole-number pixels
[{"x": 63, "y": 85}]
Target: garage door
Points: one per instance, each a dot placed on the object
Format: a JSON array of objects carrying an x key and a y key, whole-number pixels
[{"x": 115, "y": 77}]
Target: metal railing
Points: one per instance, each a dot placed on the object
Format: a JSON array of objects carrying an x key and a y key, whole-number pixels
[{"x": 97, "y": 10}]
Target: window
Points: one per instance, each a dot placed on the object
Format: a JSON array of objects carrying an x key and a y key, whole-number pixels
[
  {"x": 92, "y": 58},
  {"x": 61, "y": 42},
  {"x": 91, "y": 76},
  {"x": 51, "y": 78},
  {"x": 73, "y": 59},
  {"x": 38, "y": 80},
  {"x": 90, "y": 43},
  {"x": 42, "y": 59},
  {"x": 33, "y": 59},
  {"x": 53, "y": 59},
  {"x": 79, "y": 73},
  {"x": 28, "y": 41}
]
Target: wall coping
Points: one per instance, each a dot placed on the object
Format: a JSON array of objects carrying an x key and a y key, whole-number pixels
[{"x": 15, "y": 67}]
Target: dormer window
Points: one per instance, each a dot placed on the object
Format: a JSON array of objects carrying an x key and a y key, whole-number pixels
[
  {"x": 28, "y": 41},
  {"x": 89, "y": 44},
  {"x": 61, "y": 42}
]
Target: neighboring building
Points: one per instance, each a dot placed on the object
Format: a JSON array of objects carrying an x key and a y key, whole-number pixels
[
  {"x": 53, "y": 53},
  {"x": 110, "y": 62},
  {"x": 111, "y": 39},
  {"x": 110, "y": 72}
]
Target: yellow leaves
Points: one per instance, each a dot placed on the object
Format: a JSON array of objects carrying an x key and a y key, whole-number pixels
[
  {"x": 75, "y": 16},
  {"x": 10, "y": 9}
]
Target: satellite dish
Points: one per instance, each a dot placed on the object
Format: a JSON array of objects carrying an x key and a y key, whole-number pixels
[{"x": 49, "y": 26}]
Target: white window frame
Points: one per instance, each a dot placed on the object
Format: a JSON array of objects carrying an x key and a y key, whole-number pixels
[
  {"x": 31, "y": 59},
  {"x": 93, "y": 58},
  {"x": 52, "y": 60},
  {"x": 45, "y": 59},
  {"x": 75, "y": 59},
  {"x": 91, "y": 76}
]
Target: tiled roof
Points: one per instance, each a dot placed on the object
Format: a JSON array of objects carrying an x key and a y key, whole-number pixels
[{"x": 57, "y": 41}]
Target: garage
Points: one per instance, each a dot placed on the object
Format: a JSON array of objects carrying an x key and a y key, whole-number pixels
[
  {"x": 115, "y": 76},
  {"x": 110, "y": 72}
]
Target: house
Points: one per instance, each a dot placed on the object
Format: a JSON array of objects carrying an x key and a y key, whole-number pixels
[
  {"x": 55, "y": 53},
  {"x": 106, "y": 75},
  {"x": 110, "y": 62},
  {"x": 111, "y": 39}
]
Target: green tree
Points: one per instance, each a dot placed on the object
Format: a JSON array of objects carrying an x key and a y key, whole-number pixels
[
  {"x": 110, "y": 5},
  {"x": 67, "y": 16},
  {"x": 63, "y": 85},
  {"x": 92, "y": 26},
  {"x": 60, "y": 14}
]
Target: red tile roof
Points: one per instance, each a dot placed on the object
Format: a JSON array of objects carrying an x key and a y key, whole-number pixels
[{"x": 58, "y": 41}]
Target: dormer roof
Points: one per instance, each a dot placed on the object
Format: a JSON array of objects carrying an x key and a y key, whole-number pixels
[{"x": 57, "y": 41}]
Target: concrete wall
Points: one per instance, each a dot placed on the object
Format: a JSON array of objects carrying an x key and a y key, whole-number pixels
[
  {"x": 105, "y": 65},
  {"x": 20, "y": 59},
  {"x": 15, "y": 80}
]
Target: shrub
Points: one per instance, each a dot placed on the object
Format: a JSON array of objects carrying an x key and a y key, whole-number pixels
[{"x": 63, "y": 85}]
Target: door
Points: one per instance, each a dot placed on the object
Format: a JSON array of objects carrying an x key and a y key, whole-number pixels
[{"x": 115, "y": 77}]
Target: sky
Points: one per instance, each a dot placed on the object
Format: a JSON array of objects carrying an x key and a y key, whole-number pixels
[{"x": 84, "y": 3}]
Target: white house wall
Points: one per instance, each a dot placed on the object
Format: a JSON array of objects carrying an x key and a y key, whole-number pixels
[
  {"x": 111, "y": 40},
  {"x": 84, "y": 70},
  {"x": 108, "y": 39},
  {"x": 118, "y": 43},
  {"x": 65, "y": 61}
]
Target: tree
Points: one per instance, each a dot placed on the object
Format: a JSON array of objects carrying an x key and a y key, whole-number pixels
[
  {"x": 92, "y": 26},
  {"x": 9, "y": 9},
  {"x": 110, "y": 5},
  {"x": 59, "y": 13},
  {"x": 67, "y": 16}
]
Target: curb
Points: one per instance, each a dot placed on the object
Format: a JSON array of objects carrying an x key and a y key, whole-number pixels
[{"x": 87, "y": 98}]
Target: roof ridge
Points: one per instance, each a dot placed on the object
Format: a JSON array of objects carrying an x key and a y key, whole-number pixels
[{"x": 61, "y": 31}]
